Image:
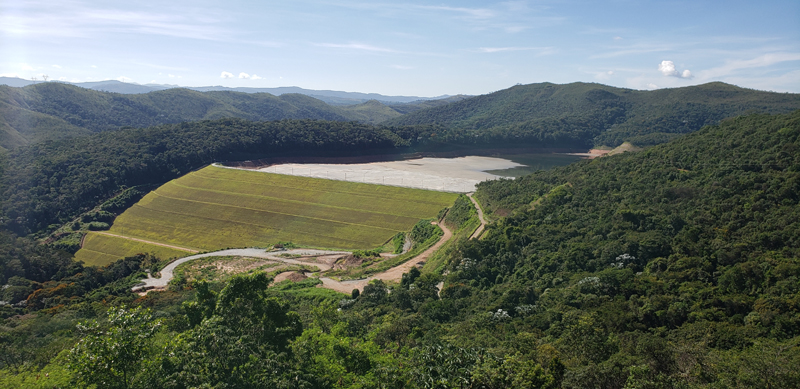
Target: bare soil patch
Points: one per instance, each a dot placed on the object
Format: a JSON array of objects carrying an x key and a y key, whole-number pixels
[{"x": 289, "y": 275}]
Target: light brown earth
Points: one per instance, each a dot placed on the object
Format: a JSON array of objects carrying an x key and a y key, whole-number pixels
[
  {"x": 394, "y": 274},
  {"x": 479, "y": 231},
  {"x": 321, "y": 259},
  {"x": 592, "y": 154},
  {"x": 291, "y": 276}
]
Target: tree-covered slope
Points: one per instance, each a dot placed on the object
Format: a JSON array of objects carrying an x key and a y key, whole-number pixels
[
  {"x": 676, "y": 266},
  {"x": 56, "y": 111},
  {"x": 49, "y": 182},
  {"x": 602, "y": 115}
]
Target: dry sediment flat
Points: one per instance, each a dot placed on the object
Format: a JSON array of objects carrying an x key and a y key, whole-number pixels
[{"x": 441, "y": 174}]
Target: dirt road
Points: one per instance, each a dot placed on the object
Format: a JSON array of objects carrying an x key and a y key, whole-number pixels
[
  {"x": 308, "y": 257},
  {"x": 394, "y": 274},
  {"x": 167, "y": 271},
  {"x": 479, "y": 230}
]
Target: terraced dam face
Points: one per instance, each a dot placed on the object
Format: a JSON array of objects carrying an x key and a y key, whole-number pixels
[{"x": 215, "y": 208}]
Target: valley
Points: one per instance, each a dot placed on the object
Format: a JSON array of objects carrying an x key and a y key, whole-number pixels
[{"x": 444, "y": 253}]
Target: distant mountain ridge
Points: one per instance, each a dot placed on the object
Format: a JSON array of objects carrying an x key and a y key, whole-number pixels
[
  {"x": 577, "y": 115},
  {"x": 329, "y": 96},
  {"x": 52, "y": 110},
  {"x": 607, "y": 115}
]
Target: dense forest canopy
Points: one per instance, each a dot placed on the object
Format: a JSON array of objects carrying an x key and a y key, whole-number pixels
[
  {"x": 50, "y": 111},
  {"x": 50, "y": 182},
  {"x": 568, "y": 115},
  {"x": 603, "y": 115}
]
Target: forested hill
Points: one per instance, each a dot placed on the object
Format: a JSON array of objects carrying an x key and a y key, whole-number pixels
[
  {"x": 674, "y": 267},
  {"x": 50, "y": 182},
  {"x": 604, "y": 115},
  {"x": 56, "y": 111},
  {"x": 681, "y": 260},
  {"x": 538, "y": 115}
]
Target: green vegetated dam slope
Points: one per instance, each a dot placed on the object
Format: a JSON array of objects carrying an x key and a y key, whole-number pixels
[{"x": 215, "y": 208}]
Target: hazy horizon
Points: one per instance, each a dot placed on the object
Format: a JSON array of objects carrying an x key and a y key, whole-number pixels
[{"x": 413, "y": 48}]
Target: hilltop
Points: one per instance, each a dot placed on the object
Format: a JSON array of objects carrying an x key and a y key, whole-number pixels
[
  {"x": 577, "y": 115},
  {"x": 598, "y": 114}
]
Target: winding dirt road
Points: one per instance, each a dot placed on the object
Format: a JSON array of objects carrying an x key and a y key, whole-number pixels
[
  {"x": 394, "y": 274},
  {"x": 479, "y": 230},
  {"x": 309, "y": 257}
]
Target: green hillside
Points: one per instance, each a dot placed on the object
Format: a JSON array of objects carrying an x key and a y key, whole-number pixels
[
  {"x": 596, "y": 114},
  {"x": 674, "y": 267},
  {"x": 52, "y": 182},
  {"x": 216, "y": 208},
  {"x": 372, "y": 112},
  {"x": 56, "y": 111}
]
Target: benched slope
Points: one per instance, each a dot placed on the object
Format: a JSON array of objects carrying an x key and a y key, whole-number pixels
[{"x": 215, "y": 208}]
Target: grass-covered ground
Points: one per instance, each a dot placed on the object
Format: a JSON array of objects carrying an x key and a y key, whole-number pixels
[
  {"x": 216, "y": 208},
  {"x": 101, "y": 249}
]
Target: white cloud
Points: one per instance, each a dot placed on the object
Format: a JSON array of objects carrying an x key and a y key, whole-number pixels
[
  {"x": 123, "y": 79},
  {"x": 76, "y": 19},
  {"x": 617, "y": 38},
  {"x": 476, "y": 13},
  {"x": 171, "y": 75},
  {"x": 255, "y": 77},
  {"x": 542, "y": 50},
  {"x": 604, "y": 75},
  {"x": 515, "y": 29},
  {"x": 668, "y": 69},
  {"x": 765, "y": 60},
  {"x": 244, "y": 76},
  {"x": 27, "y": 67},
  {"x": 651, "y": 86},
  {"x": 226, "y": 75},
  {"x": 57, "y": 66},
  {"x": 62, "y": 79},
  {"x": 10, "y": 75},
  {"x": 94, "y": 66},
  {"x": 357, "y": 46}
]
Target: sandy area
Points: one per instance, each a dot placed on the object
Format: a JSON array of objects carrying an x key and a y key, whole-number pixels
[
  {"x": 443, "y": 174},
  {"x": 592, "y": 154}
]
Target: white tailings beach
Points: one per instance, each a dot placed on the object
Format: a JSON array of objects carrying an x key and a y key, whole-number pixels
[{"x": 442, "y": 174}]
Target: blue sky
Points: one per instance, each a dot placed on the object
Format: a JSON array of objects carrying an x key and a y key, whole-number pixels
[{"x": 405, "y": 47}]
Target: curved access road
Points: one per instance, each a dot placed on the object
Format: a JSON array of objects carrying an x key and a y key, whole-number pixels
[
  {"x": 167, "y": 271},
  {"x": 394, "y": 274},
  {"x": 305, "y": 256},
  {"x": 479, "y": 231}
]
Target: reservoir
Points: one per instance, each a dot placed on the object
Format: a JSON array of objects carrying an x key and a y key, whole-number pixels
[{"x": 459, "y": 174}]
